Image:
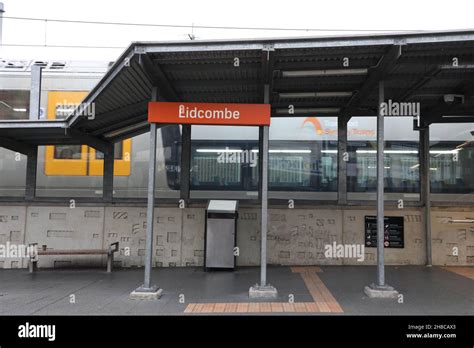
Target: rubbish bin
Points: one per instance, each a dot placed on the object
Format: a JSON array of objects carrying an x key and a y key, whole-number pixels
[{"x": 220, "y": 236}]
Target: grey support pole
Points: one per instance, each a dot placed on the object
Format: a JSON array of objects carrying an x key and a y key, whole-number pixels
[
  {"x": 264, "y": 209},
  {"x": 380, "y": 289},
  {"x": 32, "y": 155},
  {"x": 425, "y": 194},
  {"x": 264, "y": 290},
  {"x": 380, "y": 191},
  {"x": 35, "y": 92},
  {"x": 31, "y": 170},
  {"x": 341, "y": 161},
  {"x": 185, "y": 179},
  {"x": 148, "y": 291},
  {"x": 150, "y": 206},
  {"x": 108, "y": 178}
]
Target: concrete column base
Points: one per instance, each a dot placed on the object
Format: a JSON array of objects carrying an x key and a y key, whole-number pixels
[
  {"x": 376, "y": 291},
  {"x": 142, "y": 293},
  {"x": 267, "y": 292}
]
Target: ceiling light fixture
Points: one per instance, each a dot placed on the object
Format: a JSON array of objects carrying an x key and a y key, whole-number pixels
[
  {"x": 314, "y": 94},
  {"x": 324, "y": 72}
]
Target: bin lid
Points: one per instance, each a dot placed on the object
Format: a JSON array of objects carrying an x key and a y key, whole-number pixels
[{"x": 222, "y": 206}]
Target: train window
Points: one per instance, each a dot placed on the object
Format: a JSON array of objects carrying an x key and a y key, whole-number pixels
[
  {"x": 303, "y": 154},
  {"x": 222, "y": 157},
  {"x": 67, "y": 152},
  {"x": 122, "y": 162},
  {"x": 217, "y": 165},
  {"x": 70, "y": 160},
  {"x": 79, "y": 160},
  {"x": 63, "y": 160},
  {"x": 118, "y": 152},
  {"x": 401, "y": 157},
  {"x": 14, "y": 104},
  {"x": 452, "y": 158},
  {"x": 167, "y": 176}
]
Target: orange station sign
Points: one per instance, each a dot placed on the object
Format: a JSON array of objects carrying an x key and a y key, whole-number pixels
[{"x": 209, "y": 113}]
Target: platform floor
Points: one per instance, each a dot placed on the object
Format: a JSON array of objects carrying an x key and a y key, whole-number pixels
[{"x": 333, "y": 290}]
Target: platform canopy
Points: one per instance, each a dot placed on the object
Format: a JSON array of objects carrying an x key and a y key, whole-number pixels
[{"x": 325, "y": 76}]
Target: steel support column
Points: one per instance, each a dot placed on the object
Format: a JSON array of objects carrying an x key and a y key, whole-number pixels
[
  {"x": 264, "y": 207},
  {"x": 185, "y": 179},
  {"x": 35, "y": 92},
  {"x": 150, "y": 206},
  {"x": 341, "y": 160},
  {"x": 264, "y": 194},
  {"x": 425, "y": 194},
  {"x": 380, "y": 289},
  {"x": 108, "y": 177},
  {"x": 263, "y": 290},
  {"x": 260, "y": 162},
  {"x": 147, "y": 290},
  {"x": 31, "y": 170},
  {"x": 380, "y": 191}
]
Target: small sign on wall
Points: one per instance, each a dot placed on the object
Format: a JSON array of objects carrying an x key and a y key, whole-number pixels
[{"x": 394, "y": 235}]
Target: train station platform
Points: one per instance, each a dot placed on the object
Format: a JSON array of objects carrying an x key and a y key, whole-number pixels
[
  {"x": 333, "y": 290},
  {"x": 429, "y": 75}
]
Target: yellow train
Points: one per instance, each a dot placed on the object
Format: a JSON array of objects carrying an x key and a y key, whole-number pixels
[{"x": 303, "y": 151}]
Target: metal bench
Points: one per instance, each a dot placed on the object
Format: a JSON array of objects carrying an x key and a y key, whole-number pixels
[{"x": 33, "y": 257}]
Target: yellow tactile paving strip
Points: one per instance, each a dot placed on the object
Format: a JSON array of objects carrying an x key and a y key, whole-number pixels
[
  {"x": 254, "y": 307},
  {"x": 321, "y": 295},
  {"x": 324, "y": 302},
  {"x": 306, "y": 269},
  {"x": 467, "y": 272}
]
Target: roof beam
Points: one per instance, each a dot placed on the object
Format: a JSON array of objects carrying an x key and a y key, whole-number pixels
[
  {"x": 158, "y": 78},
  {"x": 15, "y": 146},
  {"x": 121, "y": 125},
  {"x": 214, "y": 67},
  {"x": 385, "y": 65},
  {"x": 133, "y": 133},
  {"x": 217, "y": 84},
  {"x": 37, "y": 124},
  {"x": 334, "y": 63},
  {"x": 267, "y": 66},
  {"x": 406, "y": 95},
  {"x": 89, "y": 140}
]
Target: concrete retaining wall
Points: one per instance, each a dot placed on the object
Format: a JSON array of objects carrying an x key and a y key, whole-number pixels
[
  {"x": 295, "y": 236},
  {"x": 447, "y": 238}
]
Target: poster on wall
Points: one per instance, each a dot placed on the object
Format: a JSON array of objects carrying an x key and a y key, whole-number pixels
[{"x": 393, "y": 232}]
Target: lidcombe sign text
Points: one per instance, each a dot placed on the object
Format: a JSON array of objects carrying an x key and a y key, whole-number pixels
[
  {"x": 195, "y": 112},
  {"x": 224, "y": 114}
]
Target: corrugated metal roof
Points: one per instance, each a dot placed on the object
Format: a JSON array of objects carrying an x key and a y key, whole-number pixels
[{"x": 206, "y": 71}]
